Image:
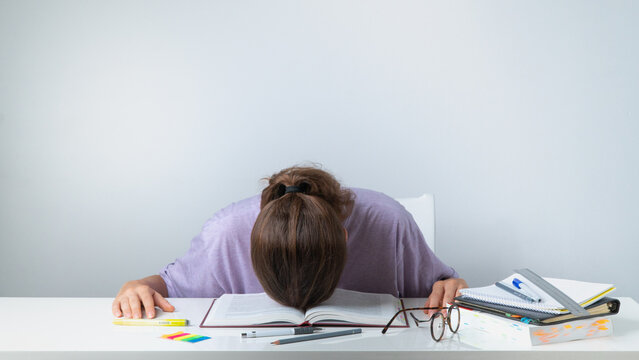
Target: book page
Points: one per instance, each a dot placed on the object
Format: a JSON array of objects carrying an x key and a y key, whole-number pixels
[
  {"x": 356, "y": 307},
  {"x": 250, "y": 309}
]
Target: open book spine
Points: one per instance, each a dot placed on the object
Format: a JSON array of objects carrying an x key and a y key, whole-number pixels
[{"x": 306, "y": 323}]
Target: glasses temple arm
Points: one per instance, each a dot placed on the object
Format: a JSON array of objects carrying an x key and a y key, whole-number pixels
[{"x": 402, "y": 311}]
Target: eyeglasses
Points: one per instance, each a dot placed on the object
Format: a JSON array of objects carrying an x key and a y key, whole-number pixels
[{"x": 437, "y": 322}]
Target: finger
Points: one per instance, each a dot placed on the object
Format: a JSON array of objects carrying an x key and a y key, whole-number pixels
[
  {"x": 461, "y": 285},
  {"x": 426, "y": 304},
  {"x": 126, "y": 309},
  {"x": 449, "y": 293},
  {"x": 163, "y": 303},
  {"x": 134, "y": 302},
  {"x": 435, "y": 297},
  {"x": 115, "y": 308},
  {"x": 149, "y": 305}
]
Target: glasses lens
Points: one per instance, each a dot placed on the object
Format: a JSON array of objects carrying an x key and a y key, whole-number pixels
[
  {"x": 453, "y": 318},
  {"x": 437, "y": 326}
]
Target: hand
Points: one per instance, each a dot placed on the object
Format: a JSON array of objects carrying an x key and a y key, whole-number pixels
[
  {"x": 135, "y": 294},
  {"x": 443, "y": 293}
]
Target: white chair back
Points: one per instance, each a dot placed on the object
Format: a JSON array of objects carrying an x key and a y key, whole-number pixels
[{"x": 423, "y": 210}]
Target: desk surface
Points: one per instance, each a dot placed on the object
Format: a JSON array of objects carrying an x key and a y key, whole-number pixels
[{"x": 82, "y": 328}]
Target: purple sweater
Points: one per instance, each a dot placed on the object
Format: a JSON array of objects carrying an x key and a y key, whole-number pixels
[{"x": 386, "y": 253}]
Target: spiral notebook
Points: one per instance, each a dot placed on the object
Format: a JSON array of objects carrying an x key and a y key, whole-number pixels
[{"x": 583, "y": 293}]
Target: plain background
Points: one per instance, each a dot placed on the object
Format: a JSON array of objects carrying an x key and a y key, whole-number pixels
[{"x": 124, "y": 125}]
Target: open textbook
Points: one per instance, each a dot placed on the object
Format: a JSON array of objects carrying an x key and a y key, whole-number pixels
[{"x": 343, "y": 308}]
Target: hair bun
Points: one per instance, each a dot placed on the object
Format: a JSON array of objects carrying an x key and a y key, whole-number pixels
[
  {"x": 309, "y": 181},
  {"x": 281, "y": 190},
  {"x": 304, "y": 187}
]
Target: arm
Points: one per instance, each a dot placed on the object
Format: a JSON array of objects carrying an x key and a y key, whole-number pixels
[
  {"x": 147, "y": 293},
  {"x": 422, "y": 269}
]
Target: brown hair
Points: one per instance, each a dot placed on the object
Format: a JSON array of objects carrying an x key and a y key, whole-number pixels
[{"x": 298, "y": 242}]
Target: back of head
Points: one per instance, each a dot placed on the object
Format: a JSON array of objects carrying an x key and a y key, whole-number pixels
[{"x": 298, "y": 243}]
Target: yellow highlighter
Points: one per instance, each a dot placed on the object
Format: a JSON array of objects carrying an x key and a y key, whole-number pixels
[{"x": 151, "y": 322}]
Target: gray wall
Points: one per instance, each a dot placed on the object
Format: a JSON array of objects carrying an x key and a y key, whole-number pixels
[{"x": 124, "y": 125}]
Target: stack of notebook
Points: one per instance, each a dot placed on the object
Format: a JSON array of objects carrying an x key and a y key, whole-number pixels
[{"x": 565, "y": 310}]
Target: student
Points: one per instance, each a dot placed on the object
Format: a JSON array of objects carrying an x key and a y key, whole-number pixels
[{"x": 305, "y": 236}]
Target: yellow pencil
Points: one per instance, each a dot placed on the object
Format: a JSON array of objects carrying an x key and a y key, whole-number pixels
[{"x": 151, "y": 322}]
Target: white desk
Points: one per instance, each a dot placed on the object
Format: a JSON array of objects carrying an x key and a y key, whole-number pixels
[{"x": 81, "y": 328}]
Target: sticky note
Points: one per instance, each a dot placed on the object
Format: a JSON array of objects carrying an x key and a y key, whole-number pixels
[
  {"x": 198, "y": 339},
  {"x": 169, "y": 335},
  {"x": 173, "y": 337},
  {"x": 186, "y": 337}
]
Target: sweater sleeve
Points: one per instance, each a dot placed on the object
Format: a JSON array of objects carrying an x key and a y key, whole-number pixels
[
  {"x": 219, "y": 258},
  {"x": 193, "y": 275},
  {"x": 417, "y": 266}
]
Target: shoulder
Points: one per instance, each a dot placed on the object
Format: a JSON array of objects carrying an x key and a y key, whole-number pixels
[
  {"x": 377, "y": 206},
  {"x": 377, "y": 202},
  {"x": 237, "y": 217}
]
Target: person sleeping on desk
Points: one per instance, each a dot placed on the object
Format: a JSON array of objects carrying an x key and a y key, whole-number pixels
[{"x": 303, "y": 237}]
